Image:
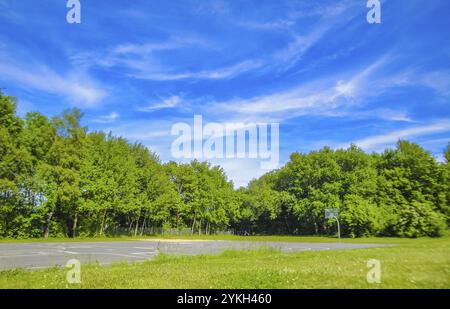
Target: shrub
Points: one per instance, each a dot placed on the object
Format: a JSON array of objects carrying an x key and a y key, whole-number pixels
[
  {"x": 360, "y": 217},
  {"x": 419, "y": 219}
]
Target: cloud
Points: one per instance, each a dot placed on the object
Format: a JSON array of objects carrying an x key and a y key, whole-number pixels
[
  {"x": 392, "y": 115},
  {"x": 111, "y": 117},
  {"x": 284, "y": 102},
  {"x": 220, "y": 73},
  {"x": 379, "y": 113},
  {"x": 241, "y": 171},
  {"x": 439, "y": 81},
  {"x": 141, "y": 61},
  {"x": 358, "y": 85},
  {"x": 148, "y": 48},
  {"x": 267, "y": 25},
  {"x": 76, "y": 87},
  {"x": 170, "y": 102},
  {"x": 138, "y": 57},
  {"x": 155, "y": 134},
  {"x": 299, "y": 45},
  {"x": 327, "y": 17},
  {"x": 144, "y": 131},
  {"x": 216, "y": 7},
  {"x": 320, "y": 97},
  {"x": 23, "y": 107},
  {"x": 381, "y": 141},
  {"x": 306, "y": 9}
]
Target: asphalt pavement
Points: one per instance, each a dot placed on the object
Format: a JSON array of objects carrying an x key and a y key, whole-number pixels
[{"x": 42, "y": 255}]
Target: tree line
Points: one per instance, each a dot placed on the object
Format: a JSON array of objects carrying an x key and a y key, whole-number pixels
[
  {"x": 59, "y": 179},
  {"x": 400, "y": 192}
]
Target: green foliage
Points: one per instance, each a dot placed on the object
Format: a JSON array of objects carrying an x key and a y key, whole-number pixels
[
  {"x": 360, "y": 217},
  {"x": 402, "y": 192},
  {"x": 58, "y": 179},
  {"x": 419, "y": 219}
]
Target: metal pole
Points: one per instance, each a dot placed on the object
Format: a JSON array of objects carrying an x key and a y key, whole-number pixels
[{"x": 339, "y": 228}]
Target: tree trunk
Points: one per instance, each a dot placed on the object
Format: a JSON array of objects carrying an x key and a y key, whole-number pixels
[
  {"x": 74, "y": 225},
  {"x": 136, "y": 227},
  {"x": 193, "y": 224},
  {"x": 102, "y": 226},
  {"x": 47, "y": 224},
  {"x": 143, "y": 226},
  {"x": 130, "y": 227}
]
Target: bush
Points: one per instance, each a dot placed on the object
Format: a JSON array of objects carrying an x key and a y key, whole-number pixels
[
  {"x": 360, "y": 217},
  {"x": 419, "y": 219}
]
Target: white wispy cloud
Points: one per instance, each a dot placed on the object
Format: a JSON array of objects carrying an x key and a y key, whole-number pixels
[
  {"x": 154, "y": 134},
  {"x": 141, "y": 61},
  {"x": 299, "y": 45},
  {"x": 439, "y": 80},
  {"x": 241, "y": 171},
  {"x": 137, "y": 56},
  {"x": 397, "y": 115},
  {"x": 111, "y": 117},
  {"x": 322, "y": 96},
  {"x": 23, "y": 107},
  {"x": 393, "y": 115},
  {"x": 216, "y": 7},
  {"x": 278, "y": 24},
  {"x": 335, "y": 96},
  {"x": 328, "y": 17},
  {"x": 306, "y": 9},
  {"x": 220, "y": 73},
  {"x": 388, "y": 139},
  {"x": 296, "y": 100},
  {"x": 358, "y": 85},
  {"x": 170, "y": 102},
  {"x": 143, "y": 49},
  {"x": 75, "y": 87},
  {"x": 145, "y": 132}
]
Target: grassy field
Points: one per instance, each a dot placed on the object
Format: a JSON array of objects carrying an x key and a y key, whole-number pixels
[{"x": 414, "y": 263}]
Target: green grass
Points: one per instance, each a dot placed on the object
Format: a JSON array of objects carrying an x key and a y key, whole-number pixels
[{"x": 414, "y": 263}]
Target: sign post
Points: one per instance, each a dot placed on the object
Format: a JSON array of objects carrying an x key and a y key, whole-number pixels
[{"x": 333, "y": 213}]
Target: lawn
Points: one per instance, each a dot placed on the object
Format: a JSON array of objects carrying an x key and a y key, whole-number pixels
[{"x": 414, "y": 263}]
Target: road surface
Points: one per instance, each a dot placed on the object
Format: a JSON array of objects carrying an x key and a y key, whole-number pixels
[{"x": 43, "y": 255}]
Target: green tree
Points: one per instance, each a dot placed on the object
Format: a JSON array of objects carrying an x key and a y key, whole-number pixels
[{"x": 15, "y": 170}]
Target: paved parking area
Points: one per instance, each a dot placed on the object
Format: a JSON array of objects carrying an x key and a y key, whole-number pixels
[{"x": 42, "y": 255}]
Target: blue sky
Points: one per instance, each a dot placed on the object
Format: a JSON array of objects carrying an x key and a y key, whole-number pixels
[{"x": 316, "y": 67}]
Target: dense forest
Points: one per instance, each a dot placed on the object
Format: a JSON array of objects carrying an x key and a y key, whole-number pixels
[{"x": 59, "y": 179}]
